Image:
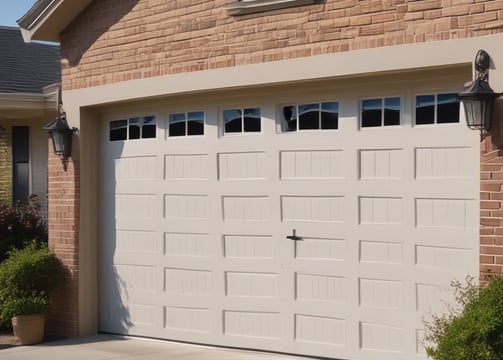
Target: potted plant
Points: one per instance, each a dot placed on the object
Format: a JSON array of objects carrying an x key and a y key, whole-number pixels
[{"x": 27, "y": 278}]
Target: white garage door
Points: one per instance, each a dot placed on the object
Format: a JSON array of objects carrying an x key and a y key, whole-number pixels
[{"x": 328, "y": 227}]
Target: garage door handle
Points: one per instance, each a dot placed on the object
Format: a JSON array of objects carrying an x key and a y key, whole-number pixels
[{"x": 293, "y": 236}]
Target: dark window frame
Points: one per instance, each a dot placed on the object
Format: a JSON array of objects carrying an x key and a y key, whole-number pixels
[
  {"x": 292, "y": 121},
  {"x": 244, "y": 120},
  {"x": 188, "y": 120},
  {"x": 386, "y": 117},
  {"x": 133, "y": 128},
  {"x": 433, "y": 108}
]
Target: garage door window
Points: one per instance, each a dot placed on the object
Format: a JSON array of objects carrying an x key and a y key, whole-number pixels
[
  {"x": 186, "y": 124},
  {"x": 437, "y": 109},
  {"x": 313, "y": 116},
  {"x": 380, "y": 112},
  {"x": 242, "y": 120},
  {"x": 133, "y": 128}
]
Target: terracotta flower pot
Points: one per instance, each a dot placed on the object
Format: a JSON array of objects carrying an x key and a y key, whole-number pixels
[{"x": 29, "y": 329}]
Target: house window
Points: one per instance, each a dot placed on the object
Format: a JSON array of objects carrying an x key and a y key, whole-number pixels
[
  {"x": 380, "y": 112},
  {"x": 133, "y": 128},
  {"x": 20, "y": 163},
  {"x": 313, "y": 116},
  {"x": 437, "y": 109},
  {"x": 186, "y": 124},
  {"x": 242, "y": 120},
  {"x": 240, "y": 7}
]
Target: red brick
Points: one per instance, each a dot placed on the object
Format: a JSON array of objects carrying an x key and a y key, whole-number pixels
[
  {"x": 496, "y": 196},
  {"x": 487, "y": 240},
  {"x": 489, "y": 204},
  {"x": 490, "y": 186},
  {"x": 496, "y": 175},
  {"x": 490, "y": 222},
  {"x": 491, "y": 269},
  {"x": 487, "y": 231},
  {"x": 490, "y": 167},
  {"x": 486, "y": 259},
  {"x": 491, "y": 250}
]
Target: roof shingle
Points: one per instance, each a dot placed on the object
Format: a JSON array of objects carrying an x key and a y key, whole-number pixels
[{"x": 26, "y": 67}]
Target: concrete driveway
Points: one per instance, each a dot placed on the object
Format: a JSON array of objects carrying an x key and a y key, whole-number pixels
[{"x": 109, "y": 347}]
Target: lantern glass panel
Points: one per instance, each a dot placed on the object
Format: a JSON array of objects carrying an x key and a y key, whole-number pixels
[{"x": 58, "y": 141}]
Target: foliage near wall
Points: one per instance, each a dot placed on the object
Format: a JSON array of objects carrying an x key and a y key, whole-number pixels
[
  {"x": 475, "y": 330},
  {"x": 19, "y": 225}
]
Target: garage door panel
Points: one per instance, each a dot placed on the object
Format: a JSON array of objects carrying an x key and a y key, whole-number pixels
[
  {"x": 312, "y": 248},
  {"x": 238, "y": 248},
  {"x": 186, "y": 167},
  {"x": 181, "y": 319},
  {"x": 135, "y": 258},
  {"x": 312, "y": 164},
  {"x": 252, "y": 325},
  {"x": 169, "y": 227},
  {"x": 444, "y": 162},
  {"x": 187, "y": 263},
  {"x": 325, "y": 243},
  {"x": 309, "y": 208},
  {"x": 315, "y": 233},
  {"x": 445, "y": 236},
  {"x": 320, "y": 330},
  {"x": 188, "y": 244}
]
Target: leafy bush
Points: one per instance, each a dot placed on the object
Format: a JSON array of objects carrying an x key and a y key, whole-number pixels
[
  {"x": 26, "y": 279},
  {"x": 474, "y": 330},
  {"x": 19, "y": 225}
]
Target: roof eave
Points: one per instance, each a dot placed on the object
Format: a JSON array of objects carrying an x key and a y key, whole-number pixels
[{"x": 48, "y": 18}]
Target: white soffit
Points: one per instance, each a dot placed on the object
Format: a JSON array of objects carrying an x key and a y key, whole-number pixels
[{"x": 46, "y": 21}]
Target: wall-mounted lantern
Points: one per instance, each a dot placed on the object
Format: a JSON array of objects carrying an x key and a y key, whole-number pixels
[
  {"x": 61, "y": 135},
  {"x": 478, "y": 97}
]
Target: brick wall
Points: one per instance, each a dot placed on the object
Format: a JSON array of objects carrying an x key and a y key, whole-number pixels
[
  {"x": 491, "y": 198},
  {"x": 5, "y": 162},
  {"x": 63, "y": 219},
  {"x": 117, "y": 40}
]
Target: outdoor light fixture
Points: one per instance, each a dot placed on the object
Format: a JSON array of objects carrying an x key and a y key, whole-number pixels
[
  {"x": 61, "y": 136},
  {"x": 478, "y": 97}
]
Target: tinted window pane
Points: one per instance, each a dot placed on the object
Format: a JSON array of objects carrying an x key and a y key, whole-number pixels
[
  {"x": 20, "y": 163},
  {"x": 232, "y": 121},
  {"x": 195, "y": 123},
  {"x": 371, "y": 112},
  {"x": 251, "y": 120},
  {"x": 392, "y": 111},
  {"x": 177, "y": 124},
  {"x": 330, "y": 115},
  {"x": 447, "y": 108},
  {"x": 309, "y": 116},
  {"x": 290, "y": 114},
  {"x": 149, "y": 127},
  {"x": 425, "y": 109},
  {"x": 134, "y": 128},
  {"x": 118, "y": 130}
]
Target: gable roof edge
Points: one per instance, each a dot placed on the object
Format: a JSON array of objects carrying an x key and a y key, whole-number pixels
[{"x": 46, "y": 19}]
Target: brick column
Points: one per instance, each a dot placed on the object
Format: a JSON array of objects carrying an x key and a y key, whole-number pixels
[
  {"x": 5, "y": 162},
  {"x": 491, "y": 198},
  {"x": 63, "y": 220}
]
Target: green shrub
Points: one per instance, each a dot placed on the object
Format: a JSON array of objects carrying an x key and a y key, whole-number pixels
[
  {"x": 26, "y": 279},
  {"x": 20, "y": 224},
  {"x": 474, "y": 330}
]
